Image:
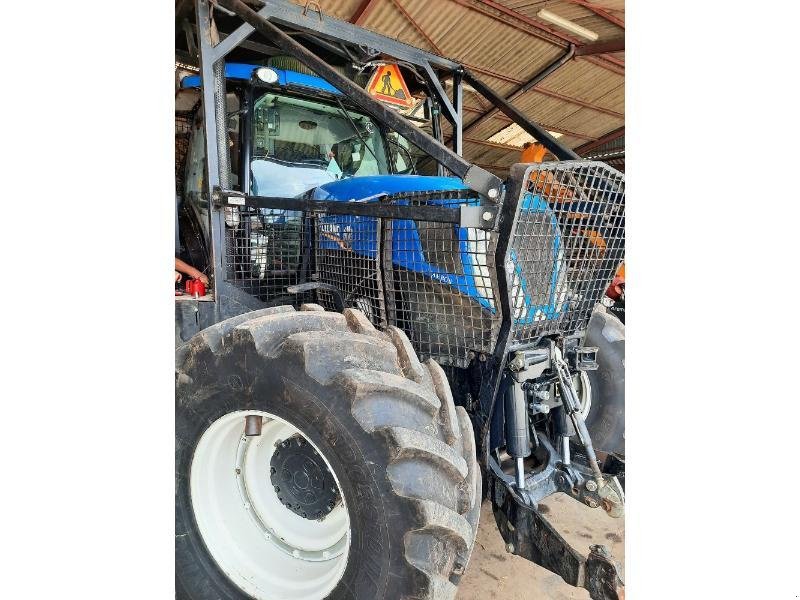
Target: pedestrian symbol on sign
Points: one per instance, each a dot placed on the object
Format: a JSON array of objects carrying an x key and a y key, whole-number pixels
[{"x": 387, "y": 85}]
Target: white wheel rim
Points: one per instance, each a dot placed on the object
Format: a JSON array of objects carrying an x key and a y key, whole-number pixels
[
  {"x": 264, "y": 548},
  {"x": 584, "y": 385}
]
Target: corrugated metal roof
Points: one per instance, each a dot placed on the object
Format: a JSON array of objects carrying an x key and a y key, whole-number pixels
[{"x": 501, "y": 42}]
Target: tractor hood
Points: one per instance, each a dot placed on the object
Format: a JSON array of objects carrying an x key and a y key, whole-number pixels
[{"x": 359, "y": 188}]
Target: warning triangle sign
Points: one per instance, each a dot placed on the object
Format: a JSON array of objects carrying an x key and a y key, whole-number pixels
[{"x": 387, "y": 85}]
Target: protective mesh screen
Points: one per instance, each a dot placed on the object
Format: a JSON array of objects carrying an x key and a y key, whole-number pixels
[
  {"x": 437, "y": 281},
  {"x": 183, "y": 126},
  {"x": 263, "y": 251},
  {"x": 430, "y": 279},
  {"x": 568, "y": 241}
]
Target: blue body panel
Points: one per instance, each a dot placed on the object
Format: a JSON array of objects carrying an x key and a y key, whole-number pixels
[
  {"x": 357, "y": 188},
  {"x": 285, "y": 78}
]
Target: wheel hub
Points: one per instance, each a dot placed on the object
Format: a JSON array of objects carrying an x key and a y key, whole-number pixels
[{"x": 301, "y": 479}]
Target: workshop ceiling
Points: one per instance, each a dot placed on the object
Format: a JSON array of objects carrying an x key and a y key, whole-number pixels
[{"x": 506, "y": 43}]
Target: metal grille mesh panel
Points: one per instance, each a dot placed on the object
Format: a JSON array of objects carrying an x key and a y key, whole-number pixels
[
  {"x": 441, "y": 286},
  {"x": 263, "y": 251},
  {"x": 432, "y": 280},
  {"x": 436, "y": 281},
  {"x": 183, "y": 127},
  {"x": 347, "y": 256},
  {"x": 568, "y": 242}
]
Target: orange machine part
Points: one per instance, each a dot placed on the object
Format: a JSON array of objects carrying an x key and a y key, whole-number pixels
[{"x": 543, "y": 182}]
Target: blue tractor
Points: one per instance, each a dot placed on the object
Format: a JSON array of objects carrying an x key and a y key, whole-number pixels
[{"x": 390, "y": 333}]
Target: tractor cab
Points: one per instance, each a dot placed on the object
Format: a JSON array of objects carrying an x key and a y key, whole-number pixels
[{"x": 290, "y": 132}]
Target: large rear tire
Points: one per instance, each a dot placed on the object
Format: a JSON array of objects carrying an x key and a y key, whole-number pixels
[{"x": 401, "y": 454}]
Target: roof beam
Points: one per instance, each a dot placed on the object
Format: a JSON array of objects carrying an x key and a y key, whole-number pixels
[
  {"x": 576, "y": 102},
  {"x": 416, "y": 26},
  {"x": 517, "y": 17},
  {"x": 609, "y": 137},
  {"x": 617, "y": 45},
  {"x": 532, "y": 82},
  {"x": 601, "y": 12},
  {"x": 492, "y": 144},
  {"x": 362, "y": 12},
  {"x": 504, "y": 119},
  {"x": 546, "y": 92}
]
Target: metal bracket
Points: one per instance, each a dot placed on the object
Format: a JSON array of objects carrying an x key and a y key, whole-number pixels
[
  {"x": 529, "y": 534},
  {"x": 480, "y": 217},
  {"x": 574, "y": 479},
  {"x": 228, "y": 198},
  {"x": 586, "y": 358}
]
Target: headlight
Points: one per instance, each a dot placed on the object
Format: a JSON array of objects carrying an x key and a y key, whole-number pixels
[{"x": 267, "y": 75}]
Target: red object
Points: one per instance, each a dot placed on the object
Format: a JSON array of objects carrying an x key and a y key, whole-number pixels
[
  {"x": 614, "y": 291},
  {"x": 195, "y": 287}
]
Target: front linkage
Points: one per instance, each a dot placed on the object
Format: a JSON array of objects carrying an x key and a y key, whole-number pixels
[{"x": 518, "y": 379}]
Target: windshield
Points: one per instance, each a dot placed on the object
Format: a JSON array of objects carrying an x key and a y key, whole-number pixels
[{"x": 299, "y": 145}]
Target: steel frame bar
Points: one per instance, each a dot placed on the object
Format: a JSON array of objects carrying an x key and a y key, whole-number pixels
[
  {"x": 290, "y": 14},
  {"x": 377, "y": 209},
  {"x": 209, "y": 75},
  {"x": 416, "y": 25},
  {"x": 458, "y": 106}
]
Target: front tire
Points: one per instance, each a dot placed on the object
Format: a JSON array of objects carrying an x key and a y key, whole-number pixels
[{"x": 401, "y": 454}]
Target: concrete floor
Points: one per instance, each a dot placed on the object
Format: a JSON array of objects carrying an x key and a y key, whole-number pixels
[{"x": 494, "y": 574}]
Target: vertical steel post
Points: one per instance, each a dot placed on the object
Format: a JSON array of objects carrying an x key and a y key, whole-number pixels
[
  {"x": 458, "y": 100},
  {"x": 210, "y": 74},
  {"x": 245, "y": 135}
]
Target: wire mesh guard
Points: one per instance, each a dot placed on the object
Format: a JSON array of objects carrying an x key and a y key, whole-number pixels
[
  {"x": 568, "y": 241},
  {"x": 437, "y": 281},
  {"x": 263, "y": 252},
  {"x": 430, "y": 279},
  {"x": 183, "y": 127}
]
